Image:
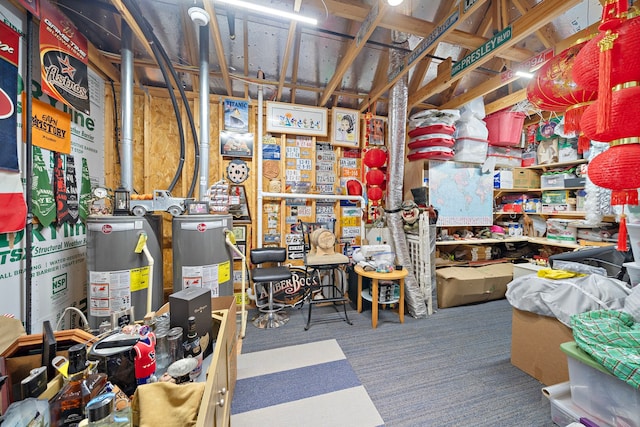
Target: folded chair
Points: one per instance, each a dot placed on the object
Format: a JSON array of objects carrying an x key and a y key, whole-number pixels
[
  {"x": 325, "y": 267},
  {"x": 266, "y": 276}
]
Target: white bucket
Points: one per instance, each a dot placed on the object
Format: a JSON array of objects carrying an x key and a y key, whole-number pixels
[{"x": 634, "y": 236}]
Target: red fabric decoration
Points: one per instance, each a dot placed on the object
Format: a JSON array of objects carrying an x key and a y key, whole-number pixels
[
  {"x": 624, "y": 110},
  {"x": 374, "y": 193},
  {"x": 375, "y": 158},
  {"x": 354, "y": 188},
  {"x": 375, "y": 177},
  {"x": 618, "y": 169}
]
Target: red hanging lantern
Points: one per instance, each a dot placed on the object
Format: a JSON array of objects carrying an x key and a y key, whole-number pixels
[
  {"x": 618, "y": 169},
  {"x": 375, "y": 158},
  {"x": 624, "y": 110},
  {"x": 375, "y": 177},
  {"x": 554, "y": 89}
]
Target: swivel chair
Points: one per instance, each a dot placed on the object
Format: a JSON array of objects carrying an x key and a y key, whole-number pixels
[
  {"x": 324, "y": 267},
  {"x": 266, "y": 276}
]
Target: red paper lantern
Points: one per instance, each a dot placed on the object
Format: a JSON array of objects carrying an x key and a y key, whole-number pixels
[
  {"x": 374, "y": 193},
  {"x": 375, "y": 177},
  {"x": 375, "y": 158},
  {"x": 618, "y": 169},
  {"x": 554, "y": 89},
  {"x": 624, "y": 116}
]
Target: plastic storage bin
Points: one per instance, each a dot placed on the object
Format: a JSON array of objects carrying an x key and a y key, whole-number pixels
[
  {"x": 507, "y": 157},
  {"x": 598, "y": 392},
  {"x": 470, "y": 150},
  {"x": 505, "y": 128}
]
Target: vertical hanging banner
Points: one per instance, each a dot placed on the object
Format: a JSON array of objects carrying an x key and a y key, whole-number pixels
[
  {"x": 64, "y": 58},
  {"x": 9, "y": 48},
  {"x": 50, "y": 127}
]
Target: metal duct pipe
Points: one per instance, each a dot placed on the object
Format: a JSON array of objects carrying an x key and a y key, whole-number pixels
[
  {"x": 204, "y": 110},
  {"x": 260, "y": 161},
  {"x": 398, "y": 101},
  {"x": 126, "y": 100}
]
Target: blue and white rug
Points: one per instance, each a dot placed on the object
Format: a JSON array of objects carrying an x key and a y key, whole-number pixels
[{"x": 308, "y": 384}]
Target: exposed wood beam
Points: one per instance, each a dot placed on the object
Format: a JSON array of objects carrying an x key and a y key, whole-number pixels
[
  {"x": 506, "y": 101},
  {"x": 192, "y": 41},
  {"x": 217, "y": 41},
  {"x": 287, "y": 50},
  {"x": 357, "y": 11},
  {"x": 482, "y": 89},
  {"x": 409, "y": 62},
  {"x": 101, "y": 64},
  {"x": 245, "y": 34},
  {"x": 539, "y": 16},
  {"x": 296, "y": 61},
  {"x": 135, "y": 28},
  {"x": 355, "y": 46},
  {"x": 542, "y": 36}
]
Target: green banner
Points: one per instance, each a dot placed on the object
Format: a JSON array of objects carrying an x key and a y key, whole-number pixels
[
  {"x": 42, "y": 199},
  {"x": 85, "y": 191},
  {"x": 492, "y": 44}
]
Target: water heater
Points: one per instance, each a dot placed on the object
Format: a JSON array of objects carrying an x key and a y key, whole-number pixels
[
  {"x": 118, "y": 271},
  {"x": 201, "y": 256}
]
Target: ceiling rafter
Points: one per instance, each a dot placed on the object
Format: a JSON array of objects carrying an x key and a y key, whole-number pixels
[
  {"x": 296, "y": 61},
  {"x": 287, "y": 50},
  {"x": 192, "y": 41},
  {"x": 542, "y": 36},
  {"x": 379, "y": 91},
  {"x": 539, "y": 16},
  {"x": 355, "y": 46},
  {"x": 217, "y": 41}
]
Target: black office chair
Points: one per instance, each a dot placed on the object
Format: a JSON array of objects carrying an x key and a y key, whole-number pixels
[
  {"x": 266, "y": 276},
  {"x": 325, "y": 267}
]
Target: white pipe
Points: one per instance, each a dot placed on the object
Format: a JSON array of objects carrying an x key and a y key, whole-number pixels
[
  {"x": 204, "y": 112},
  {"x": 126, "y": 100},
  {"x": 260, "y": 161},
  {"x": 147, "y": 253}
]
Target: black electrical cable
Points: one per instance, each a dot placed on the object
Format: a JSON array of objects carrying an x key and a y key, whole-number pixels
[
  {"x": 155, "y": 42},
  {"x": 139, "y": 20},
  {"x": 116, "y": 129},
  {"x": 29, "y": 175}
]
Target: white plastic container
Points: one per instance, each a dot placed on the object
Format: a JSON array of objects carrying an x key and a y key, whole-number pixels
[
  {"x": 633, "y": 269},
  {"x": 598, "y": 392},
  {"x": 470, "y": 150},
  {"x": 561, "y": 230}
]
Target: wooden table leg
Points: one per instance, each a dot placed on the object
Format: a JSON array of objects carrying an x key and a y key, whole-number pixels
[
  {"x": 401, "y": 308},
  {"x": 374, "y": 303},
  {"x": 359, "y": 293}
]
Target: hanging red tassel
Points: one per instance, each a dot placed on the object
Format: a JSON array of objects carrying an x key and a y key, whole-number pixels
[
  {"x": 622, "y": 234},
  {"x": 572, "y": 117},
  {"x": 584, "y": 143},
  {"x": 604, "y": 82}
]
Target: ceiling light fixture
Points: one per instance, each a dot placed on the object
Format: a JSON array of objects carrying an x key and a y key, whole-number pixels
[
  {"x": 394, "y": 2},
  {"x": 270, "y": 11},
  {"x": 524, "y": 74}
]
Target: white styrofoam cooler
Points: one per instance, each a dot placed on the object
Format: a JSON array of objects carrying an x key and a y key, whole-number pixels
[{"x": 525, "y": 268}]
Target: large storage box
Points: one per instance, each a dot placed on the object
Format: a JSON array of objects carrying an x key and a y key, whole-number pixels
[
  {"x": 507, "y": 157},
  {"x": 465, "y": 285},
  {"x": 535, "y": 346},
  {"x": 562, "y": 230},
  {"x": 525, "y": 178},
  {"x": 598, "y": 392},
  {"x": 555, "y": 180},
  {"x": 503, "y": 179},
  {"x": 470, "y": 150}
]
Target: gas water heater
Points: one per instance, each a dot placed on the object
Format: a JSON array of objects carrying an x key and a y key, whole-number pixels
[
  {"x": 201, "y": 256},
  {"x": 118, "y": 271}
]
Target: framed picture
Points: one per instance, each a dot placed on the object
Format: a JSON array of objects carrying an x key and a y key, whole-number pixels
[
  {"x": 345, "y": 125},
  {"x": 296, "y": 119},
  {"x": 240, "y": 232},
  {"x": 235, "y": 144},
  {"x": 236, "y": 115},
  {"x": 243, "y": 248},
  {"x": 238, "y": 205},
  {"x": 375, "y": 130},
  {"x": 197, "y": 207}
]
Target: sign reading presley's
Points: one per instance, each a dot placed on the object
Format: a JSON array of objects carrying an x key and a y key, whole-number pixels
[{"x": 492, "y": 44}]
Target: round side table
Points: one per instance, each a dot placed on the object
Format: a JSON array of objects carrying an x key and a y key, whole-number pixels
[{"x": 397, "y": 275}]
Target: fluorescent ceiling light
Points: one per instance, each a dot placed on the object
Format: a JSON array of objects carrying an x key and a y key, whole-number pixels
[
  {"x": 270, "y": 11},
  {"x": 394, "y": 2},
  {"x": 524, "y": 74}
]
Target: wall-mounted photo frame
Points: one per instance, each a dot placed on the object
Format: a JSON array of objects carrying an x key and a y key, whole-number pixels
[
  {"x": 375, "y": 130},
  {"x": 345, "y": 125},
  {"x": 236, "y": 115},
  {"x": 296, "y": 119},
  {"x": 238, "y": 205},
  {"x": 197, "y": 208},
  {"x": 240, "y": 233},
  {"x": 242, "y": 247},
  {"x": 236, "y": 144}
]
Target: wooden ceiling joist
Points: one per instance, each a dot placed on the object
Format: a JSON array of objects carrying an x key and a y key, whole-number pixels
[
  {"x": 539, "y": 16},
  {"x": 217, "y": 41}
]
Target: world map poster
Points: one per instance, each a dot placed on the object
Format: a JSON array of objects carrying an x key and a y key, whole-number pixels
[{"x": 462, "y": 193}]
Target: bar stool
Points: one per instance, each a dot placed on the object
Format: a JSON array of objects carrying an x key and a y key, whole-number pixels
[{"x": 267, "y": 276}]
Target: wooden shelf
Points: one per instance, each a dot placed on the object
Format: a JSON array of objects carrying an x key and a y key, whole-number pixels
[
  {"x": 558, "y": 165},
  {"x": 535, "y": 240},
  {"x": 558, "y": 243},
  {"x": 572, "y": 214}
]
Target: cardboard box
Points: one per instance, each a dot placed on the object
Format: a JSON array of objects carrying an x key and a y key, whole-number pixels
[
  {"x": 465, "y": 285},
  {"x": 535, "y": 346},
  {"x": 525, "y": 178}
]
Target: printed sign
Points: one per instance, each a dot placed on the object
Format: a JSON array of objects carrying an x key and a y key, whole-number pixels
[{"x": 492, "y": 44}]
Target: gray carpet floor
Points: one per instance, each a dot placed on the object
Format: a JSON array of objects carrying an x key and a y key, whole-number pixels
[{"x": 450, "y": 369}]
